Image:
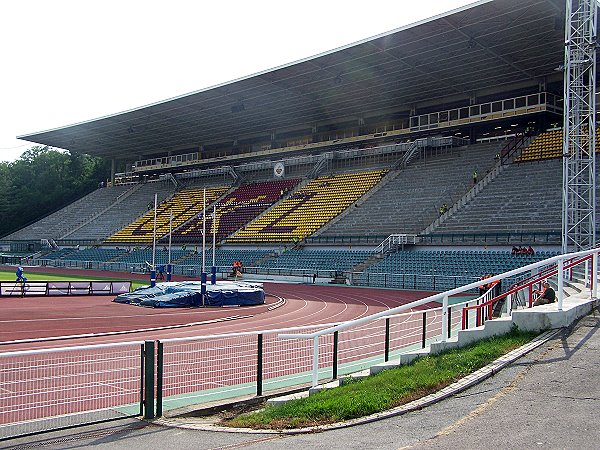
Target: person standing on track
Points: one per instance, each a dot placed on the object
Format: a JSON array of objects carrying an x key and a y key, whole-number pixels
[
  {"x": 19, "y": 274},
  {"x": 21, "y": 279}
]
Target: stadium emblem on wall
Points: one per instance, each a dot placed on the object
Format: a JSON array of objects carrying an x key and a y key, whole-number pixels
[{"x": 279, "y": 170}]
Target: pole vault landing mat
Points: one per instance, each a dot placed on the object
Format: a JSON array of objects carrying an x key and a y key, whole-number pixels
[{"x": 184, "y": 294}]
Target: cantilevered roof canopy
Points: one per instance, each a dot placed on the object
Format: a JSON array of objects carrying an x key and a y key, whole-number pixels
[{"x": 499, "y": 44}]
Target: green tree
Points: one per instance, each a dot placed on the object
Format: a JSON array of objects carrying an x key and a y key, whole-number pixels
[{"x": 43, "y": 180}]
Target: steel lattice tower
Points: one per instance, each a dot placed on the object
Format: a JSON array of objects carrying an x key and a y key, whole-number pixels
[{"x": 579, "y": 128}]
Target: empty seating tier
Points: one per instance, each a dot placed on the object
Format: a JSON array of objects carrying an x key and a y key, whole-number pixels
[
  {"x": 318, "y": 260},
  {"x": 409, "y": 200},
  {"x": 525, "y": 198},
  {"x": 545, "y": 145},
  {"x": 307, "y": 210},
  {"x": 236, "y": 209},
  {"x": 445, "y": 269},
  {"x": 182, "y": 206}
]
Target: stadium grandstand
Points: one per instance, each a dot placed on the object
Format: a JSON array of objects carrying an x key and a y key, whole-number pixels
[{"x": 447, "y": 133}]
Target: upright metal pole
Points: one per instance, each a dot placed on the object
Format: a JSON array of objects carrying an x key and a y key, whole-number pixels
[
  {"x": 149, "y": 380},
  {"x": 259, "y": 365},
  {"x": 153, "y": 268},
  {"x": 204, "y": 234},
  {"x": 169, "y": 267},
  {"x": 213, "y": 270},
  {"x": 445, "y": 319},
  {"x": 159, "y": 377},
  {"x": 203, "y": 274},
  {"x": 594, "y": 276},
  {"x": 560, "y": 287},
  {"x": 315, "y": 370}
]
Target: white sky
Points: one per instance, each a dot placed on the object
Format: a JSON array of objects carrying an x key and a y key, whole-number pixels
[{"x": 68, "y": 61}]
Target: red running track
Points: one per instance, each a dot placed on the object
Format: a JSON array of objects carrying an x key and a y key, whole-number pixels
[
  {"x": 52, "y": 317},
  {"x": 78, "y": 381}
]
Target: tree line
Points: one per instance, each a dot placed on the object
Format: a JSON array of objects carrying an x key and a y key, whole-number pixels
[{"x": 44, "y": 180}]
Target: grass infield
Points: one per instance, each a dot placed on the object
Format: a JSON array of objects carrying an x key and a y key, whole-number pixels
[
  {"x": 8, "y": 275},
  {"x": 386, "y": 390}
]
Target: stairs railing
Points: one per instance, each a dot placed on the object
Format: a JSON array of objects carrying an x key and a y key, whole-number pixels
[{"x": 394, "y": 241}]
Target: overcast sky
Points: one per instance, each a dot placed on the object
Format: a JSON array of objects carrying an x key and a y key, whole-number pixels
[{"x": 68, "y": 61}]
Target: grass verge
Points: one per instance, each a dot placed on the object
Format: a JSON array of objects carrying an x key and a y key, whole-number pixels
[{"x": 386, "y": 390}]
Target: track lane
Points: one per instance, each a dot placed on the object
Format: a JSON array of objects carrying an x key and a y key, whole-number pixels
[{"x": 308, "y": 305}]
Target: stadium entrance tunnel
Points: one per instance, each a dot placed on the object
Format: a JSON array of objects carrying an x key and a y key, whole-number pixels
[{"x": 187, "y": 294}]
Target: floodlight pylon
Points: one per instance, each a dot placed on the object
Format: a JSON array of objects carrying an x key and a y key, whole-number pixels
[{"x": 579, "y": 126}]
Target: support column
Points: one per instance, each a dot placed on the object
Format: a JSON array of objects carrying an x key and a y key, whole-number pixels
[
  {"x": 113, "y": 166},
  {"x": 560, "y": 288}
]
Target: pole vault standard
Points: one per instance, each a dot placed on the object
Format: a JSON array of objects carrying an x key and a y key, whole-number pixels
[
  {"x": 213, "y": 270},
  {"x": 169, "y": 266},
  {"x": 153, "y": 267},
  {"x": 203, "y": 274}
]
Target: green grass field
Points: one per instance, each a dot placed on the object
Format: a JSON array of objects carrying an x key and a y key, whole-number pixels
[{"x": 8, "y": 275}]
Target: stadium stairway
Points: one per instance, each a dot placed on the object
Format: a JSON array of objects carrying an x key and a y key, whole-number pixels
[
  {"x": 122, "y": 197},
  {"x": 118, "y": 216},
  {"x": 453, "y": 209},
  {"x": 526, "y": 198}
]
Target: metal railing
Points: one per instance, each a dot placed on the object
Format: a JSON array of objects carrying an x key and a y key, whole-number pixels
[
  {"x": 410, "y": 281},
  {"x": 43, "y": 390},
  {"x": 446, "y": 308},
  {"x": 59, "y": 288},
  {"x": 508, "y": 237},
  {"x": 59, "y": 388},
  {"x": 393, "y": 241}
]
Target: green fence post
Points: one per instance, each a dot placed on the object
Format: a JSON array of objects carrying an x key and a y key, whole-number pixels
[
  {"x": 387, "y": 339},
  {"x": 159, "y": 378},
  {"x": 149, "y": 379},
  {"x": 259, "y": 366},
  {"x": 335, "y": 354},
  {"x": 141, "y": 379}
]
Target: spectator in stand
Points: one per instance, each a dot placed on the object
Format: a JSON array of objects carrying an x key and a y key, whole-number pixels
[
  {"x": 545, "y": 295},
  {"x": 443, "y": 209},
  {"x": 514, "y": 251},
  {"x": 497, "y": 287},
  {"x": 530, "y": 251},
  {"x": 475, "y": 178},
  {"x": 482, "y": 286}
]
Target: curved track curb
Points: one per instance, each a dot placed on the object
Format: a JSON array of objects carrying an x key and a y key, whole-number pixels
[{"x": 453, "y": 389}]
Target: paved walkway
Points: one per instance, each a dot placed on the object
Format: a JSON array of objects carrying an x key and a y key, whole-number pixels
[{"x": 547, "y": 399}]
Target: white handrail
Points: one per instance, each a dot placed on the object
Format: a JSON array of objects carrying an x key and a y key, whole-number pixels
[{"x": 444, "y": 295}]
